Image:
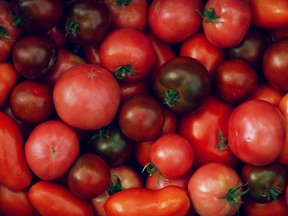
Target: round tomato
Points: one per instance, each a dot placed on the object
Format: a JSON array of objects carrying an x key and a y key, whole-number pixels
[
  {"x": 283, "y": 107},
  {"x": 130, "y": 89}
]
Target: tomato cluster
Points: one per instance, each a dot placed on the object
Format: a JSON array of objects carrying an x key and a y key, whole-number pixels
[{"x": 136, "y": 107}]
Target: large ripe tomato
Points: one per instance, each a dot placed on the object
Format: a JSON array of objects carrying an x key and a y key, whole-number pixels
[
  {"x": 207, "y": 131},
  {"x": 226, "y": 22},
  {"x": 275, "y": 64},
  {"x": 168, "y": 201},
  {"x": 50, "y": 198},
  {"x": 256, "y": 132},
  {"x": 127, "y": 53},
  {"x": 215, "y": 189},
  {"x": 130, "y": 89},
  {"x": 87, "y": 97},
  {"x": 283, "y": 107},
  {"x": 51, "y": 149},
  {"x": 174, "y": 21},
  {"x": 269, "y": 13}
]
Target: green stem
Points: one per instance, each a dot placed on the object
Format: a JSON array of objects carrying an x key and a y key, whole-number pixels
[
  {"x": 171, "y": 97},
  {"x": 272, "y": 192},
  {"x": 151, "y": 169},
  {"x": 4, "y": 34},
  {"x": 222, "y": 141},
  {"x": 114, "y": 188},
  {"x": 72, "y": 27},
  {"x": 210, "y": 15},
  {"x": 123, "y": 3},
  {"x": 122, "y": 71}
]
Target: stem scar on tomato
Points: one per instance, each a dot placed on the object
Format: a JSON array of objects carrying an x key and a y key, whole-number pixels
[
  {"x": 114, "y": 188},
  {"x": 122, "y": 3},
  {"x": 151, "y": 169},
  {"x": 72, "y": 27},
  {"x": 4, "y": 34},
  {"x": 272, "y": 192},
  {"x": 223, "y": 141},
  {"x": 171, "y": 97},
  {"x": 210, "y": 15},
  {"x": 122, "y": 71}
]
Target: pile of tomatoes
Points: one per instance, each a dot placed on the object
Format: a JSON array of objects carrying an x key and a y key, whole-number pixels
[{"x": 136, "y": 107}]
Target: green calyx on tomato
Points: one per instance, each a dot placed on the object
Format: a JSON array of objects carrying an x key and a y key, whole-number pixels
[
  {"x": 171, "y": 97},
  {"x": 115, "y": 187},
  {"x": 223, "y": 141},
  {"x": 18, "y": 21},
  {"x": 151, "y": 169},
  {"x": 102, "y": 132},
  {"x": 123, "y": 3},
  {"x": 72, "y": 27},
  {"x": 272, "y": 192},
  {"x": 3, "y": 33},
  {"x": 122, "y": 71},
  {"x": 210, "y": 15}
]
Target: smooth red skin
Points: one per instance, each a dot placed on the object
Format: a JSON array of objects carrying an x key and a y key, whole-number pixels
[
  {"x": 15, "y": 202},
  {"x": 142, "y": 152},
  {"x": 51, "y": 149},
  {"x": 52, "y": 199},
  {"x": 15, "y": 32},
  {"x": 127, "y": 46},
  {"x": 172, "y": 155},
  {"x": 131, "y": 89},
  {"x": 233, "y": 24},
  {"x": 283, "y": 107},
  {"x": 32, "y": 101},
  {"x": 57, "y": 34},
  {"x": 168, "y": 201},
  {"x": 87, "y": 97},
  {"x": 269, "y": 13},
  {"x": 199, "y": 47},
  {"x": 8, "y": 79},
  {"x": 91, "y": 54},
  {"x": 249, "y": 124},
  {"x": 235, "y": 81},
  {"x": 174, "y": 21},
  {"x": 275, "y": 64},
  {"x": 133, "y": 15},
  {"x": 208, "y": 183},
  {"x": 15, "y": 172},
  {"x": 65, "y": 60},
  {"x": 141, "y": 117},
  {"x": 170, "y": 123},
  {"x": 201, "y": 129}
]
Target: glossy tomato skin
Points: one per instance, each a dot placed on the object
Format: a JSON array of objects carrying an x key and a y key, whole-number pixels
[
  {"x": 15, "y": 173},
  {"x": 182, "y": 84},
  {"x": 87, "y": 97},
  {"x": 207, "y": 131},
  {"x": 34, "y": 56},
  {"x": 89, "y": 176},
  {"x": 51, "y": 149},
  {"x": 144, "y": 202},
  {"x": 283, "y": 107},
  {"x": 130, "y": 89},
  {"x": 275, "y": 64},
  {"x": 208, "y": 184},
  {"x": 44, "y": 194},
  {"x": 248, "y": 126},
  {"x": 116, "y": 51},
  {"x": 173, "y": 22},
  {"x": 226, "y": 26}
]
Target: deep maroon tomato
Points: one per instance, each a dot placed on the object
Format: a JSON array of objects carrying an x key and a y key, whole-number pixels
[
  {"x": 275, "y": 64},
  {"x": 38, "y": 16},
  {"x": 235, "y": 81},
  {"x": 91, "y": 53},
  {"x": 57, "y": 34},
  {"x": 86, "y": 22},
  {"x": 130, "y": 89},
  {"x": 34, "y": 56},
  {"x": 174, "y": 21},
  {"x": 141, "y": 117},
  {"x": 32, "y": 101},
  {"x": 182, "y": 84},
  {"x": 142, "y": 152}
]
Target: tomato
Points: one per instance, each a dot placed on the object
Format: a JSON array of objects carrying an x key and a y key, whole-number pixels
[
  {"x": 51, "y": 149},
  {"x": 182, "y": 84},
  {"x": 248, "y": 126},
  {"x": 283, "y": 107},
  {"x": 170, "y": 122},
  {"x": 130, "y": 89},
  {"x": 86, "y": 22},
  {"x": 235, "y": 80},
  {"x": 51, "y": 199},
  {"x": 269, "y": 13},
  {"x": 32, "y": 101},
  {"x": 215, "y": 189},
  {"x": 199, "y": 47},
  {"x": 171, "y": 155},
  {"x": 141, "y": 117},
  {"x": 15, "y": 172},
  {"x": 128, "y": 13},
  {"x": 34, "y": 56},
  {"x": 207, "y": 131},
  {"x": 226, "y": 23},
  {"x": 275, "y": 64},
  {"x": 265, "y": 182},
  {"x": 278, "y": 33},
  {"x": 168, "y": 201},
  {"x": 116, "y": 54},
  {"x": 87, "y": 97},
  {"x": 57, "y": 34},
  {"x": 174, "y": 21},
  {"x": 91, "y": 53},
  {"x": 10, "y": 32},
  {"x": 142, "y": 152},
  {"x": 15, "y": 202},
  {"x": 8, "y": 79}
]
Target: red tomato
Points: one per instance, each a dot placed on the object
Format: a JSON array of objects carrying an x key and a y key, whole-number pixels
[
  {"x": 8, "y": 79},
  {"x": 142, "y": 152},
  {"x": 174, "y": 21},
  {"x": 127, "y": 53},
  {"x": 215, "y": 189},
  {"x": 87, "y": 97},
  {"x": 226, "y": 22},
  {"x": 130, "y": 89},
  {"x": 52, "y": 199},
  {"x": 51, "y": 149},
  {"x": 168, "y": 201},
  {"x": 207, "y": 131},
  {"x": 283, "y": 107},
  {"x": 170, "y": 122},
  {"x": 249, "y": 124},
  {"x": 91, "y": 53},
  {"x": 15, "y": 173},
  {"x": 57, "y": 34},
  {"x": 269, "y": 13}
]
